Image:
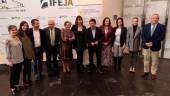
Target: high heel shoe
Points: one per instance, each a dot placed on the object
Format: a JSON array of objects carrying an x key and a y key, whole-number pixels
[
  {"x": 64, "y": 70},
  {"x": 30, "y": 83},
  {"x": 25, "y": 84},
  {"x": 69, "y": 71}
]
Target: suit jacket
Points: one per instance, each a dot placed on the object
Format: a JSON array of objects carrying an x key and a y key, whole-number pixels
[
  {"x": 98, "y": 37},
  {"x": 108, "y": 38},
  {"x": 48, "y": 40},
  {"x": 134, "y": 41},
  {"x": 42, "y": 38},
  {"x": 80, "y": 40},
  {"x": 156, "y": 38},
  {"x": 122, "y": 36}
]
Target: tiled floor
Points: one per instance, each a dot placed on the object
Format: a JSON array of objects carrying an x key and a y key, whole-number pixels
[{"x": 95, "y": 84}]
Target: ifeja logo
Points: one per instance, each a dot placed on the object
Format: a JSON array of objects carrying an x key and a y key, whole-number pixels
[{"x": 48, "y": 3}]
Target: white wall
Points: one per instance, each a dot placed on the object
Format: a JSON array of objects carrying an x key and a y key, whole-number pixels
[{"x": 112, "y": 7}]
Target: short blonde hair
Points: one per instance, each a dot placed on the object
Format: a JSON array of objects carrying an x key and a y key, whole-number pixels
[
  {"x": 67, "y": 22},
  {"x": 135, "y": 18},
  {"x": 155, "y": 14}
]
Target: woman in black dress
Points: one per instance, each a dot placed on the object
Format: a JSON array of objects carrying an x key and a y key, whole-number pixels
[{"x": 79, "y": 43}]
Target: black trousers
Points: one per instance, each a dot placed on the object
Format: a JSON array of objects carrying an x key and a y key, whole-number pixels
[
  {"x": 133, "y": 57},
  {"x": 92, "y": 50},
  {"x": 80, "y": 66},
  {"x": 117, "y": 63},
  {"x": 37, "y": 66},
  {"x": 52, "y": 64},
  {"x": 27, "y": 70},
  {"x": 15, "y": 74}
]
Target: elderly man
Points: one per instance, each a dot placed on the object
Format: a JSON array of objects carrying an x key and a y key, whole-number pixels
[
  {"x": 52, "y": 47},
  {"x": 152, "y": 35}
]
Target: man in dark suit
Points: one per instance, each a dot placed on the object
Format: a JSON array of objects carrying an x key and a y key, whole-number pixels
[
  {"x": 94, "y": 38},
  {"x": 152, "y": 35},
  {"x": 37, "y": 37},
  {"x": 52, "y": 47}
]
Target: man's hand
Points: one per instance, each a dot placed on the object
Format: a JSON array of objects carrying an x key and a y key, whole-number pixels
[
  {"x": 92, "y": 43},
  {"x": 149, "y": 44},
  {"x": 96, "y": 43},
  {"x": 105, "y": 43}
]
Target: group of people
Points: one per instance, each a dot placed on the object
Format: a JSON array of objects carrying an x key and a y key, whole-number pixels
[{"x": 25, "y": 45}]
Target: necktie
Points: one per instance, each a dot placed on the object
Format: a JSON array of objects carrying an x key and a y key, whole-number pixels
[
  {"x": 153, "y": 29},
  {"x": 52, "y": 37}
]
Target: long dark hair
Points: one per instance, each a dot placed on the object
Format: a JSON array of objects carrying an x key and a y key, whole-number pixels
[
  {"x": 20, "y": 31},
  {"x": 105, "y": 20},
  {"x": 77, "y": 18},
  {"x": 103, "y": 25},
  {"x": 118, "y": 20}
]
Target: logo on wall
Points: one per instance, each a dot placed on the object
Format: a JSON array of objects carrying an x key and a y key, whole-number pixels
[
  {"x": 10, "y": 4},
  {"x": 48, "y": 3},
  {"x": 2, "y": 1}
]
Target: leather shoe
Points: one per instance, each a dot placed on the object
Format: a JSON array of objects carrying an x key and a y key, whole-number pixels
[
  {"x": 100, "y": 71},
  {"x": 145, "y": 74},
  {"x": 153, "y": 77}
]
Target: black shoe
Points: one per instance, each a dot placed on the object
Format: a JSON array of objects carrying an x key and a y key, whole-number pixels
[
  {"x": 29, "y": 83},
  {"x": 25, "y": 84},
  {"x": 119, "y": 68},
  {"x": 50, "y": 74},
  {"x": 100, "y": 71},
  {"x": 41, "y": 76},
  {"x": 106, "y": 69},
  {"x": 145, "y": 75},
  {"x": 68, "y": 71},
  {"x": 55, "y": 73},
  {"x": 89, "y": 71},
  {"x": 37, "y": 79},
  {"x": 80, "y": 69},
  {"x": 153, "y": 77},
  {"x": 115, "y": 67}
]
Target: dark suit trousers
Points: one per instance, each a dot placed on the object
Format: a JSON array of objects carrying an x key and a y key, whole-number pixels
[
  {"x": 37, "y": 66},
  {"x": 27, "y": 70},
  {"x": 92, "y": 50},
  {"x": 52, "y": 64},
  {"x": 80, "y": 66},
  {"x": 15, "y": 74}
]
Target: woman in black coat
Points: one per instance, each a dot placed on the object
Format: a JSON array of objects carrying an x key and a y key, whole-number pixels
[
  {"x": 119, "y": 42},
  {"x": 79, "y": 43}
]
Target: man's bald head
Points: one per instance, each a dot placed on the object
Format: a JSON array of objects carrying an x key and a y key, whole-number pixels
[{"x": 51, "y": 23}]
